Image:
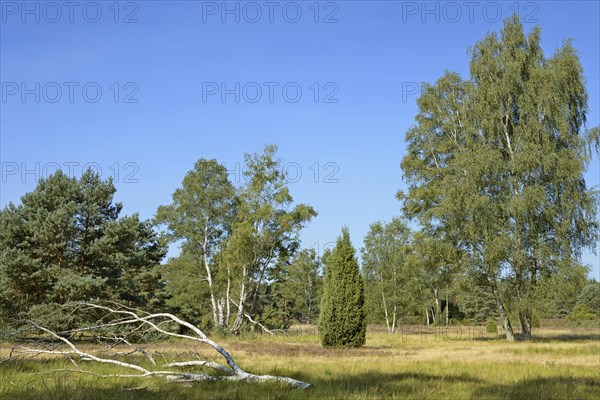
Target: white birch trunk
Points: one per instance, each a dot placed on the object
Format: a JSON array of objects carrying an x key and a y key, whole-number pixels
[
  {"x": 227, "y": 294},
  {"x": 213, "y": 302},
  {"x": 231, "y": 371},
  {"x": 385, "y": 311},
  {"x": 240, "y": 313},
  {"x": 436, "y": 295},
  {"x": 447, "y": 307},
  {"x": 505, "y": 321}
]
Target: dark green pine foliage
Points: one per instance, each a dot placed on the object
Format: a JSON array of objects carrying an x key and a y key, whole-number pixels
[
  {"x": 296, "y": 291},
  {"x": 65, "y": 242},
  {"x": 590, "y": 296},
  {"x": 342, "y": 322},
  {"x": 477, "y": 305},
  {"x": 556, "y": 294}
]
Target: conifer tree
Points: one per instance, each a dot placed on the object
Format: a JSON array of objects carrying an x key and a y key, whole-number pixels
[
  {"x": 342, "y": 321},
  {"x": 67, "y": 242}
]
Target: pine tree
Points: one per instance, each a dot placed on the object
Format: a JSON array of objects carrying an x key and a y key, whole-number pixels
[
  {"x": 66, "y": 242},
  {"x": 590, "y": 296},
  {"x": 478, "y": 304},
  {"x": 303, "y": 286},
  {"x": 342, "y": 321}
]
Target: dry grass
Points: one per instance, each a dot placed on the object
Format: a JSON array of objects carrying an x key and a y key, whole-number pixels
[{"x": 557, "y": 364}]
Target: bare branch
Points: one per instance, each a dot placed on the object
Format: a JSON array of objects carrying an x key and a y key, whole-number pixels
[
  {"x": 264, "y": 328},
  {"x": 232, "y": 372},
  {"x": 201, "y": 363}
]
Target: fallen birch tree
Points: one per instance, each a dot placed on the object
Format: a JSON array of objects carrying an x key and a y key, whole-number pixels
[{"x": 61, "y": 344}]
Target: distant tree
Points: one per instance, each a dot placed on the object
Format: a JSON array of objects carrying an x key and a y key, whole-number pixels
[
  {"x": 294, "y": 291},
  {"x": 556, "y": 294},
  {"x": 66, "y": 242},
  {"x": 389, "y": 276},
  {"x": 342, "y": 320},
  {"x": 436, "y": 261},
  {"x": 590, "y": 297},
  {"x": 184, "y": 293},
  {"x": 303, "y": 286},
  {"x": 477, "y": 304}
]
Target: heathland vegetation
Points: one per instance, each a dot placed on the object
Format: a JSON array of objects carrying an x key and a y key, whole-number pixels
[{"x": 490, "y": 234}]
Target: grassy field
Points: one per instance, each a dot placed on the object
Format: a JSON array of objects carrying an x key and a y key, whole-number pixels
[{"x": 557, "y": 364}]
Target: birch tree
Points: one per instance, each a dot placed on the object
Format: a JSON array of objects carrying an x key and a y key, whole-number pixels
[
  {"x": 266, "y": 229},
  {"x": 200, "y": 214},
  {"x": 495, "y": 165},
  {"x": 118, "y": 325},
  {"x": 389, "y": 277},
  {"x": 236, "y": 234}
]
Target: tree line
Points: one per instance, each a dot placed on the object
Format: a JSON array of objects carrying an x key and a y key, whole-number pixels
[{"x": 492, "y": 225}]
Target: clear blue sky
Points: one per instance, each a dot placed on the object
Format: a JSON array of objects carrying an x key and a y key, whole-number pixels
[{"x": 370, "y": 56}]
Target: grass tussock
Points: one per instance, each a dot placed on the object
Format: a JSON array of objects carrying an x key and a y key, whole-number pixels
[{"x": 557, "y": 364}]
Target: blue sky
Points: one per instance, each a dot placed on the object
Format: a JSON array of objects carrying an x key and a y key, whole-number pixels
[{"x": 137, "y": 90}]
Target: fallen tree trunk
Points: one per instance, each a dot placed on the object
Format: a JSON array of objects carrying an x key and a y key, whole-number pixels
[{"x": 125, "y": 317}]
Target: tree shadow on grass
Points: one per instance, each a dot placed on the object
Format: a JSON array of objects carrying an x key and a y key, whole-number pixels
[
  {"x": 369, "y": 385},
  {"x": 366, "y": 379},
  {"x": 415, "y": 385},
  {"x": 87, "y": 393},
  {"x": 143, "y": 390},
  {"x": 574, "y": 338},
  {"x": 542, "y": 388},
  {"x": 364, "y": 385}
]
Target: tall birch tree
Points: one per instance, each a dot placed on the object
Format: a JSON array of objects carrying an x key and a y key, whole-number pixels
[{"x": 495, "y": 164}]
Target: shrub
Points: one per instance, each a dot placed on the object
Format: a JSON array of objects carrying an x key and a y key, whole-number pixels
[
  {"x": 583, "y": 313},
  {"x": 590, "y": 297},
  {"x": 490, "y": 326},
  {"x": 535, "y": 320},
  {"x": 413, "y": 320}
]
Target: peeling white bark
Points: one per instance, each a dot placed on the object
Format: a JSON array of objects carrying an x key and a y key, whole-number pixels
[
  {"x": 213, "y": 302},
  {"x": 231, "y": 371},
  {"x": 240, "y": 306}
]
